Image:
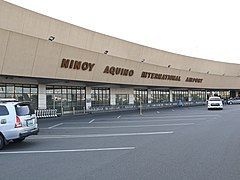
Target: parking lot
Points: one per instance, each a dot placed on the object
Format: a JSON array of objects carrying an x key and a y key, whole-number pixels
[{"x": 175, "y": 143}]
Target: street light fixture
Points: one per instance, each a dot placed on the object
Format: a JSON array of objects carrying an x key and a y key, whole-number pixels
[{"x": 51, "y": 38}]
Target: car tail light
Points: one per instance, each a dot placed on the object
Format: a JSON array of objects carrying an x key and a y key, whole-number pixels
[{"x": 18, "y": 123}]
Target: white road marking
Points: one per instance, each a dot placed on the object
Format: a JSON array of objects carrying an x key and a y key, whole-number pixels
[
  {"x": 171, "y": 116},
  {"x": 70, "y": 150},
  {"x": 135, "y": 121},
  {"x": 136, "y": 126},
  {"x": 97, "y": 135},
  {"x": 118, "y": 117},
  {"x": 55, "y": 125},
  {"x": 91, "y": 121},
  {"x": 161, "y": 120}
]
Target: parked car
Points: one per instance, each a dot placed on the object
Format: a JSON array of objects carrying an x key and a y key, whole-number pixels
[
  {"x": 17, "y": 121},
  {"x": 235, "y": 100},
  {"x": 215, "y": 103}
]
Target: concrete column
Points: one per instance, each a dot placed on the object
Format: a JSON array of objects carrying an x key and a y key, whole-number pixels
[
  {"x": 131, "y": 99},
  {"x": 237, "y": 93},
  {"x": 112, "y": 96},
  {"x": 42, "y": 97},
  {"x": 88, "y": 98},
  {"x": 149, "y": 96},
  {"x": 171, "y": 96},
  {"x": 189, "y": 96}
]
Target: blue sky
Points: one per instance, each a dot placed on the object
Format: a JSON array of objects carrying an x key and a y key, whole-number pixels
[{"x": 208, "y": 29}]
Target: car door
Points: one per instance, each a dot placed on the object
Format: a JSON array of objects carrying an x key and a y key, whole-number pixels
[{"x": 6, "y": 123}]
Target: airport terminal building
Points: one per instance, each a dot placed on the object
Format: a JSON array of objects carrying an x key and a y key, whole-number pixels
[{"x": 57, "y": 65}]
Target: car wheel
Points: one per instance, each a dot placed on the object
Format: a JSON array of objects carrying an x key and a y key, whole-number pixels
[
  {"x": 2, "y": 143},
  {"x": 18, "y": 140}
]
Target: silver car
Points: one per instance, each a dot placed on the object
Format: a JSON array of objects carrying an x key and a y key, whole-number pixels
[
  {"x": 235, "y": 100},
  {"x": 17, "y": 121}
]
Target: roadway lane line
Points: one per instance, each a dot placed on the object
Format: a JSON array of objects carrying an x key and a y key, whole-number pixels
[
  {"x": 170, "y": 116},
  {"x": 134, "y": 121},
  {"x": 97, "y": 135},
  {"x": 91, "y": 121},
  {"x": 145, "y": 121},
  {"x": 55, "y": 126},
  {"x": 136, "y": 126},
  {"x": 70, "y": 150}
]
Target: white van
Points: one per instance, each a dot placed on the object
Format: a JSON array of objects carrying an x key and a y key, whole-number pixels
[{"x": 17, "y": 121}]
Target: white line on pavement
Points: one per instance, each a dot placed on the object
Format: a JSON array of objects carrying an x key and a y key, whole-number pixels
[
  {"x": 146, "y": 121},
  {"x": 136, "y": 126},
  {"x": 91, "y": 121},
  {"x": 70, "y": 150},
  {"x": 135, "y": 121},
  {"x": 55, "y": 125},
  {"x": 171, "y": 116},
  {"x": 97, "y": 135}
]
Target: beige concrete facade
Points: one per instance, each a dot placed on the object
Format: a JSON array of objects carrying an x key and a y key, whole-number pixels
[
  {"x": 26, "y": 51},
  {"x": 77, "y": 55}
]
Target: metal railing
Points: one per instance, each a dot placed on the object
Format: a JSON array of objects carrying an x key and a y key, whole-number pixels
[
  {"x": 46, "y": 113},
  {"x": 144, "y": 106},
  {"x": 49, "y": 113}
]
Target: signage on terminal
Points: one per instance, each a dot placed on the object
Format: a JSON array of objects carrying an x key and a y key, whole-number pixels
[
  {"x": 118, "y": 71},
  {"x": 150, "y": 75},
  {"x": 193, "y": 80},
  {"x": 73, "y": 64},
  {"x": 79, "y": 65}
]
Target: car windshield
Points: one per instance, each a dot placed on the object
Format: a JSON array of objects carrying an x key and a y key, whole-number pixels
[{"x": 214, "y": 99}]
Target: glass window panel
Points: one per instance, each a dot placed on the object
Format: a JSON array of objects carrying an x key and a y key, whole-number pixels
[
  {"x": 64, "y": 91},
  {"x": 18, "y": 89},
  {"x": 34, "y": 101},
  {"x": 64, "y": 99},
  {"x": 74, "y": 91},
  {"x": 57, "y": 89},
  {"x": 69, "y": 91},
  {"x": 26, "y": 89},
  {"x": 69, "y": 97},
  {"x": 19, "y": 97},
  {"x": 26, "y": 96},
  {"x": 83, "y": 97},
  {"x": 79, "y": 91},
  {"x": 10, "y": 88},
  {"x": 49, "y": 89},
  {"x": 2, "y": 88},
  {"x": 10, "y": 96},
  {"x": 34, "y": 90}
]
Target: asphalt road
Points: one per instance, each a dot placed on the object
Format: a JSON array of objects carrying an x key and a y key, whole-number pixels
[{"x": 163, "y": 144}]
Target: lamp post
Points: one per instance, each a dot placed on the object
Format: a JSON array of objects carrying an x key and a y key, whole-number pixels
[{"x": 140, "y": 98}]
